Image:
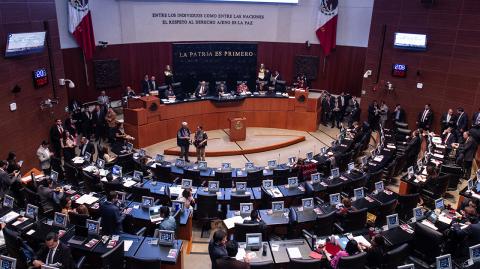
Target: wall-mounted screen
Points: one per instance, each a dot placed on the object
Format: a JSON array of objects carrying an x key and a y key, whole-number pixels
[
  {"x": 399, "y": 70},
  {"x": 410, "y": 41},
  {"x": 25, "y": 43}
]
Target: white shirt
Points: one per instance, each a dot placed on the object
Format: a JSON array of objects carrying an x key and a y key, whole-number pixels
[{"x": 51, "y": 255}]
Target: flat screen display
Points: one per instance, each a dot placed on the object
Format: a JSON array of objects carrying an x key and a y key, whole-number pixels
[
  {"x": 256, "y": 1},
  {"x": 25, "y": 43},
  {"x": 410, "y": 41}
]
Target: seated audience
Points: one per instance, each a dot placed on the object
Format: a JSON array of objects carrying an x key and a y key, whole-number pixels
[
  {"x": 54, "y": 253},
  {"x": 242, "y": 88},
  {"x": 202, "y": 89},
  {"x": 255, "y": 218},
  {"x": 216, "y": 247},
  {"x": 86, "y": 146},
  {"x": 66, "y": 205},
  {"x": 112, "y": 216},
  {"x": 376, "y": 251},
  {"x": 230, "y": 261},
  {"x": 50, "y": 196},
  {"x": 168, "y": 223},
  {"x": 222, "y": 90}
]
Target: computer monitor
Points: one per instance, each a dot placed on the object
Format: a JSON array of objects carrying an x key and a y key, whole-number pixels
[
  {"x": 202, "y": 165},
  {"x": 137, "y": 175},
  {"x": 186, "y": 183},
  {"x": 292, "y": 182},
  {"x": 410, "y": 171},
  {"x": 147, "y": 201},
  {"x": 335, "y": 172},
  {"x": 470, "y": 184},
  {"x": 307, "y": 203},
  {"x": 226, "y": 166},
  {"x": 141, "y": 153},
  {"x": 246, "y": 209},
  {"x": 8, "y": 201},
  {"x": 93, "y": 227},
  {"x": 417, "y": 214},
  {"x": 213, "y": 186},
  {"x": 309, "y": 155},
  {"x": 392, "y": 221},
  {"x": 254, "y": 241},
  {"x": 159, "y": 158},
  {"x": 292, "y": 160},
  {"x": 54, "y": 176},
  {"x": 359, "y": 193},
  {"x": 444, "y": 262},
  {"x": 60, "y": 220},
  {"x": 406, "y": 266},
  {"x": 439, "y": 204},
  {"x": 129, "y": 147},
  {"x": 165, "y": 237},
  {"x": 335, "y": 199},
  {"x": 278, "y": 206},
  {"x": 7, "y": 262},
  {"x": 121, "y": 196},
  {"x": 100, "y": 163},
  {"x": 323, "y": 150},
  {"x": 315, "y": 177},
  {"x": 350, "y": 167},
  {"x": 31, "y": 211},
  {"x": 179, "y": 162},
  {"x": 154, "y": 213},
  {"x": 267, "y": 184},
  {"x": 474, "y": 253},
  {"x": 117, "y": 170},
  {"x": 249, "y": 166},
  {"x": 272, "y": 163},
  {"x": 177, "y": 205},
  {"x": 87, "y": 157},
  {"x": 379, "y": 187},
  {"x": 241, "y": 187}
]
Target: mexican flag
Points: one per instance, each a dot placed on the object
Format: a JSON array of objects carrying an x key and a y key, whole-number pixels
[{"x": 327, "y": 25}]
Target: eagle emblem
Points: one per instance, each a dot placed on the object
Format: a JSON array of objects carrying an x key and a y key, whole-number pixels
[{"x": 328, "y": 7}]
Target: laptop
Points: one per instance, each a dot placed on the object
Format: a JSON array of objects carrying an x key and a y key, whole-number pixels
[
  {"x": 267, "y": 184},
  {"x": 410, "y": 172},
  {"x": 87, "y": 157},
  {"x": 272, "y": 164},
  {"x": 309, "y": 155},
  {"x": 444, "y": 262},
  {"x": 81, "y": 234},
  {"x": 249, "y": 166},
  {"x": 292, "y": 182},
  {"x": 31, "y": 211},
  {"x": 54, "y": 176},
  {"x": 474, "y": 253},
  {"x": 315, "y": 178},
  {"x": 147, "y": 201},
  {"x": 470, "y": 184},
  {"x": 350, "y": 167},
  {"x": 177, "y": 205},
  {"x": 8, "y": 262},
  {"x": 117, "y": 171},
  {"x": 122, "y": 197},
  {"x": 141, "y": 153},
  {"x": 379, "y": 187},
  {"x": 226, "y": 166},
  {"x": 278, "y": 207},
  {"x": 364, "y": 160},
  {"x": 392, "y": 221},
  {"x": 60, "y": 220},
  {"x": 100, "y": 163},
  {"x": 159, "y": 158},
  {"x": 137, "y": 176},
  {"x": 8, "y": 201},
  {"x": 246, "y": 209},
  {"x": 154, "y": 214},
  {"x": 213, "y": 186},
  {"x": 418, "y": 214},
  {"x": 202, "y": 165},
  {"x": 439, "y": 204},
  {"x": 335, "y": 199},
  {"x": 129, "y": 147},
  {"x": 291, "y": 160},
  {"x": 241, "y": 187},
  {"x": 179, "y": 163},
  {"x": 186, "y": 183},
  {"x": 93, "y": 227},
  {"x": 165, "y": 238},
  {"x": 358, "y": 193},
  {"x": 334, "y": 173},
  {"x": 323, "y": 150},
  {"x": 254, "y": 241}
]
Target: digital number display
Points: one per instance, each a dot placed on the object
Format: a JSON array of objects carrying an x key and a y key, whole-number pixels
[
  {"x": 399, "y": 70},
  {"x": 40, "y": 77}
]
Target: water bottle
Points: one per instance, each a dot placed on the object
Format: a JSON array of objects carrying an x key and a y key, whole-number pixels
[{"x": 314, "y": 242}]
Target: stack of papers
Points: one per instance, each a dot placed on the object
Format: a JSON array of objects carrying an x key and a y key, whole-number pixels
[
  {"x": 275, "y": 192},
  {"x": 78, "y": 160},
  {"x": 361, "y": 239},
  {"x": 127, "y": 244},
  {"x": 230, "y": 222},
  {"x": 429, "y": 224},
  {"x": 294, "y": 253},
  {"x": 240, "y": 254},
  {"x": 9, "y": 217},
  {"x": 129, "y": 183},
  {"x": 86, "y": 199},
  {"x": 378, "y": 158}
]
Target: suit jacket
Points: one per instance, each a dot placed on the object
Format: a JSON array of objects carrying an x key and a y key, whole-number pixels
[
  {"x": 5, "y": 181},
  {"x": 112, "y": 218},
  {"x": 205, "y": 90},
  {"x": 326, "y": 104},
  {"x": 145, "y": 86},
  {"x": 55, "y": 135},
  {"x": 473, "y": 234},
  {"x": 401, "y": 115},
  {"x": 448, "y": 142},
  {"x": 44, "y": 157},
  {"x": 428, "y": 118},
  {"x": 89, "y": 148},
  {"x": 61, "y": 256},
  {"x": 462, "y": 121},
  {"x": 450, "y": 123},
  {"x": 231, "y": 263},
  {"x": 151, "y": 86},
  {"x": 474, "y": 118},
  {"x": 216, "y": 252},
  {"x": 468, "y": 149}
]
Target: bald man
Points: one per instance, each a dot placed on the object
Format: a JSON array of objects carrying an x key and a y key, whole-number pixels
[{"x": 183, "y": 140}]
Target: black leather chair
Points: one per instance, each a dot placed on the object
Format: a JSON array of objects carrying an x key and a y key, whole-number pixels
[
  {"x": 241, "y": 229},
  {"x": 356, "y": 261},
  {"x": 254, "y": 178},
  {"x": 194, "y": 175},
  {"x": 138, "y": 192},
  {"x": 162, "y": 173},
  {"x": 325, "y": 223},
  {"x": 33, "y": 198},
  {"x": 406, "y": 203},
  {"x": 236, "y": 199},
  {"x": 374, "y": 177},
  {"x": 126, "y": 162},
  {"x": 427, "y": 243},
  {"x": 353, "y": 221},
  {"x": 304, "y": 264},
  {"x": 114, "y": 259},
  {"x": 280, "y": 176},
  {"x": 388, "y": 172},
  {"x": 401, "y": 160},
  {"x": 207, "y": 210},
  {"x": 224, "y": 178},
  {"x": 136, "y": 263},
  {"x": 396, "y": 257},
  {"x": 261, "y": 265},
  {"x": 109, "y": 186},
  {"x": 335, "y": 188},
  {"x": 78, "y": 219},
  {"x": 383, "y": 211},
  {"x": 436, "y": 189},
  {"x": 71, "y": 174},
  {"x": 14, "y": 245}
]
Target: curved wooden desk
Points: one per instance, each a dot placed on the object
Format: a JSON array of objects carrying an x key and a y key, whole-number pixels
[{"x": 151, "y": 122}]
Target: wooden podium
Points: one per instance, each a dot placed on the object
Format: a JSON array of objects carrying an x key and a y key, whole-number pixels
[{"x": 238, "y": 129}]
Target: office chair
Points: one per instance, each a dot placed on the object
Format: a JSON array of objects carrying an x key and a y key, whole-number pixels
[
  {"x": 92, "y": 184},
  {"x": 162, "y": 173},
  {"x": 280, "y": 176},
  {"x": 436, "y": 189},
  {"x": 427, "y": 243},
  {"x": 138, "y": 192},
  {"x": 405, "y": 205},
  {"x": 396, "y": 257},
  {"x": 383, "y": 211},
  {"x": 207, "y": 210},
  {"x": 254, "y": 178},
  {"x": 374, "y": 177},
  {"x": 353, "y": 221},
  {"x": 304, "y": 264},
  {"x": 356, "y": 261},
  {"x": 33, "y": 198},
  {"x": 78, "y": 219},
  {"x": 325, "y": 223},
  {"x": 194, "y": 175},
  {"x": 126, "y": 162},
  {"x": 388, "y": 171},
  {"x": 261, "y": 265},
  {"x": 401, "y": 163},
  {"x": 109, "y": 186},
  {"x": 236, "y": 199},
  {"x": 359, "y": 183},
  {"x": 113, "y": 259},
  {"x": 71, "y": 174},
  {"x": 335, "y": 188},
  {"x": 224, "y": 178},
  {"x": 241, "y": 229},
  {"x": 137, "y": 263},
  {"x": 14, "y": 245}
]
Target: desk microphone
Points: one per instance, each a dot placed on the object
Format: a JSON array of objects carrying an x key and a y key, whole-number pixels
[{"x": 264, "y": 252}]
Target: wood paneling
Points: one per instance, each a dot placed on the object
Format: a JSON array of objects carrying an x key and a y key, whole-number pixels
[
  {"x": 343, "y": 71},
  {"x": 449, "y": 69},
  {"x": 24, "y": 129}
]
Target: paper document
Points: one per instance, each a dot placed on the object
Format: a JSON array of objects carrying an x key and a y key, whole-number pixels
[
  {"x": 9, "y": 217},
  {"x": 127, "y": 244},
  {"x": 361, "y": 239},
  {"x": 294, "y": 253},
  {"x": 240, "y": 254},
  {"x": 230, "y": 222},
  {"x": 129, "y": 183}
]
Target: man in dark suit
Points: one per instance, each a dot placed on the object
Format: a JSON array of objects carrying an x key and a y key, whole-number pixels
[
  {"x": 425, "y": 118},
  {"x": 7, "y": 180},
  {"x": 325, "y": 108},
  {"x": 413, "y": 148},
  {"x": 86, "y": 146},
  {"x": 152, "y": 84},
  {"x": 56, "y": 133},
  {"x": 145, "y": 85},
  {"x": 99, "y": 122},
  {"x": 49, "y": 196},
  {"x": 472, "y": 232},
  {"x": 216, "y": 247},
  {"x": 448, "y": 120},
  {"x": 274, "y": 78},
  {"x": 202, "y": 89},
  {"x": 183, "y": 140},
  {"x": 54, "y": 253},
  {"x": 112, "y": 216},
  {"x": 448, "y": 139},
  {"x": 398, "y": 114},
  {"x": 462, "y": 120},
  {"x": 230, "y": 262},
  {"x": 476, "y": 118},
  {"x": 466, "y": 154}
]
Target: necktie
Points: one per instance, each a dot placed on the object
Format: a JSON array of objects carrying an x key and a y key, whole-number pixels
[
  {"x": 446, "y": 138},
  {"x": 201, "y": 90},
  {"x": 424, "y": 115},
  {"x": 83, "y": 149},
  {"x": 50, "y": 257},
  {"x": 60, "y": 129},
  {"x": 477, "y": 121},
  {"x": 458, "y": 120},
  {"x": 448, "y": 118},
  {"x": 397, "y": 115}
]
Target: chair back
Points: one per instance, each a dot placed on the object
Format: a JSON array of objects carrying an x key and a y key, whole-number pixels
[
  {"x": 396, "y": 257},
  {"x": 78, "y": 219},
  {"x": 254, "y": 178},
  {"x": 236, "y": 199},
  {"x": 441, "y": 185},
  {"x": 280, "y": 176},
  {"x": 71, "y": 174},
  {"x": 241, "y": 229},
  {"x": 304, "y": 264},
  {"x": 384, "y": 210},
  {"x": 224, "y": 178},
  {"x": 356, "y": 261},
  {"x": 355, "y": 220},
  {"x": 324, "y": 223},
  {"x": 114, "y": 259},
  {"x": 13, "y": 246},
  {"x": 405, "y": 205},
  {"x": 261, "y": 265},
  {"x": 126, "y": 162},
  {"x": 206, "y": 206},
  {"x": 335, "y": 188},
  {"x": 427, "y": 242},
  {"x": 162, "y": 173},
  {"x": 194, "y": 175},
  {"x": 138, "y": 192},
  {"x": 136, "y": 263}
]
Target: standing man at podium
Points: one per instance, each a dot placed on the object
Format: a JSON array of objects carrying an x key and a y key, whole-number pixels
[{"x": 183, "y": 140}]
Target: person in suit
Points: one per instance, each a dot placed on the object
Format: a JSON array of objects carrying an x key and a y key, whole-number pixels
[
  {"x": 343, "y": 101},
  {"x": 413, "y": 147},
  {"x": 262, "y": 76},
  {"x": 229, "y": 261},
  {"x": 398, "y": 114},
  {"x": 202, "y": 89},
  {"x": 336, "y": 112},
  {"x": 325, "y": 108},
  {"x": 462, "y": 121},
  {"x": 221, "y": 90},
  {"x": 425, "y": 118},
  {"x": 274, "y": 78},
  {"x": 44, "y": 156},
  {"x": 354, "y": 111},
  {"x": 112, "y": 216},
  {"x": 13, "y": 165},
  {"x": 466, "y": 154},
  {"x": 373, "y": 115},
  {"x": 447, "y": 120},
  {"x": 216, "y": 247},
  {"x": 56, "y": 133},
  {"x": 54, "y": 253},
  {"x": 476, "y": 118},
  {"x": 383, "y": 113},
  {"x": 472, "y": 233},
  {"x": 145, "y": 85},
  {"x": 103, "y": 100},
  {"x": 168, "y": 223},
  {"x": 69, "y": 143},
  {"x": 86, "y": 146},
  {"x": 50, "y": 196},
  {"x": 448, "y": 138},
  {"x": 152, "y": 84},
  {"x": 86, "y": 122},
  {"x": 6, "y": 179},
  {"x": 129, "y": 92},
  {"x": 99, "y": 122},
  {"x": 183, "y": 140},
  {"x": 168, "y": 75}
]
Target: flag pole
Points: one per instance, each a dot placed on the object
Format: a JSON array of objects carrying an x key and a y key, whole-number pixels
[
  {"x": 86, "y": 70},
  {"x": 324, "y": 65}
]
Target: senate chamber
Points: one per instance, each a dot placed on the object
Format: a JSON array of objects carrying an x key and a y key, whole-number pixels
[{"x": 237, "y": 134}]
